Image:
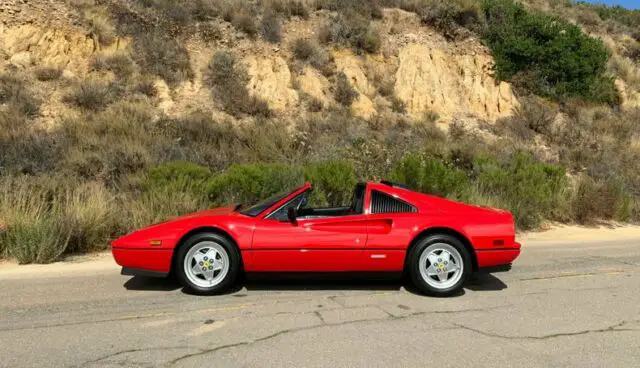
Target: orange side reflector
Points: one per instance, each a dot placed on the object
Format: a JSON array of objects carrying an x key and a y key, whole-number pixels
[{"x": 155, "y": 243}]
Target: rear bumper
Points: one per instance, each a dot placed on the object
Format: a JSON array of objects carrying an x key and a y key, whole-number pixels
[
  {"x": 151, "y": 261},
  {"x": 497, "y": 258}
]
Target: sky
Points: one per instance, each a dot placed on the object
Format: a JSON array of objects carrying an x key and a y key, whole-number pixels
[{"x": 631, "y": 4}]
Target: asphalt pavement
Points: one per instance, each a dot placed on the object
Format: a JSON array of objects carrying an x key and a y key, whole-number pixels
[{"x": 572, "y": 304}]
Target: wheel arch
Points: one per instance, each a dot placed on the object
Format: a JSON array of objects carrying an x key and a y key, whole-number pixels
[
  {"x": 200, "y": 230},
  {"x": 441, "y": 230}
]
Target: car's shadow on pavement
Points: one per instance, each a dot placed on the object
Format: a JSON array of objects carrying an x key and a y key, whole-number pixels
[{"x": 306, "y": 282}]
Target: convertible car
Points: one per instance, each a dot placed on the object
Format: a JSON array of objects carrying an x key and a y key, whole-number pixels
[{"x": 436, "y": 242}]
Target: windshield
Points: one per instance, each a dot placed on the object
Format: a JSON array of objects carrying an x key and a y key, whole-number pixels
[{"x": 257, "y": 208}]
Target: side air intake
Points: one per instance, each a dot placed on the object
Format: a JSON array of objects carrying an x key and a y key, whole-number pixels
[{"x": 383, "y": 203}]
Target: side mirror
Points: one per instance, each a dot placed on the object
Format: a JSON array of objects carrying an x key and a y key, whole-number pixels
[{"x": 292, "y": 213}]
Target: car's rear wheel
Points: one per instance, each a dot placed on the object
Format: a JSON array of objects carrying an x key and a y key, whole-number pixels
[
  {"x": 207, "y": 263},
  {"x": 439, "y": 265}
]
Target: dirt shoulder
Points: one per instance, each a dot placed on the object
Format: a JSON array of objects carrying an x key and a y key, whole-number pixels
[{"x": 103, "y": 262}]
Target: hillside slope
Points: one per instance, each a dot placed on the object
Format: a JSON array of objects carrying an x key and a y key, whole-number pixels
[{"x": 118, "y": 113}]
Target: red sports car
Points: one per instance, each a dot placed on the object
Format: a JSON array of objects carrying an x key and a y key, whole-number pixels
[{"x": 386, "y": 228}]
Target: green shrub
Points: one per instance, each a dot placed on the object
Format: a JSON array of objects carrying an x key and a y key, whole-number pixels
[
  {"x": 94, "y": 96},
  {"x": 45, "y": 74},
  {"x": 227, "y": 78},
  {"x": 289, "y": 8},
  {"x": 344, "y": 93},
  {"x": 147, "y": 87},
  {"x": 26, "y": 148},
  {"x": 15, "y": 93},
  {"x": 118, "y": 63},
  {"x": 100, "y": 25},
  {"x": 532, "y": 190},
  {"x": 449, "y": 17},
  {"x": 45, "y": 219},
  {"x": 163, "y": 56},
  {"x": 431, "y": 175},
  {"x": 270, "y": 28},
  {"x": 178, "y": 176},
  {"x": 210, "y": 32},
  {"x": 244, "y": 22},
  {"x": 333, "y": 182},
  {"x": 308, "y": 51},
  {"x": 604, "y": 199},
  {"x": 253, "y": 182},
  {"x": 547, "y": 55},
  {"x": 353, "y": 30},
  {"x": 152, "y": 207}
]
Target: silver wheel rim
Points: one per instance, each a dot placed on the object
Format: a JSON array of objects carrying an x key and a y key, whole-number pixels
[
  {"x": 206, "y": 264},
  {"x": 441, "y": 265}
]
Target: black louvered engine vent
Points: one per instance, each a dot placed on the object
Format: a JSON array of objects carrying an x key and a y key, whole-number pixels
[{"x": 383, "y": 203}]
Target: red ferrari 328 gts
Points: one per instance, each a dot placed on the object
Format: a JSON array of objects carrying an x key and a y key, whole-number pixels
[{"x": 386, "y": 228}]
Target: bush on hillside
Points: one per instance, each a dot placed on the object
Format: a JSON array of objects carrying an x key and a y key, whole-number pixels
[
  {"x": 253, "y": 182},
  {"x": 270, "y": 28},
  {"x": 178, "y": 176},
  {"x": 344, "y": 93},
  {"x": 532, "y": 190},
  {"x": 431, "y": 175},
  {"x": 544, "y": 54},
  {"x": 289, "y": 8},
  {"x": 353, "y": 30},
  {"x": 119, "y": 63},
  {"x": 45, "y": 74},
  {"x": 17, "y": 95},
  {"x": 244, "y": 22},
  {"x": 227, "y": 78},
  {"x": 601, "y": 199},
  {"x": 94, "y": 96},
  {"x": 163, "y": 56},
  {"x": 333, "y": 182}
]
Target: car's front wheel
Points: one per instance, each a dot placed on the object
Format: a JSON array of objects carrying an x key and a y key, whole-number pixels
[
  {"x": 439, "y": 265},
  {"x": 207, "y": 263}
]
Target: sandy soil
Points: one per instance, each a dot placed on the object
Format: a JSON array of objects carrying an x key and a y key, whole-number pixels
[{"x": 104, "y": 262}]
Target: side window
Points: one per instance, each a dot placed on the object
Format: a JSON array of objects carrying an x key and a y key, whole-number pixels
[
  {"x": 384, "y": 203},
  {"x": 281, "y": 213}
]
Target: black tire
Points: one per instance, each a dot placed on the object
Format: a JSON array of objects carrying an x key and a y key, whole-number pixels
[
  {"x": 413, "y": 265},
  {"x": 234, "y": 263}
]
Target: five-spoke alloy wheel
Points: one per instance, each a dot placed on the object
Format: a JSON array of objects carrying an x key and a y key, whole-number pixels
[
  {"x": 439, "y": 265},
  {"x": 207, "y": 263}
]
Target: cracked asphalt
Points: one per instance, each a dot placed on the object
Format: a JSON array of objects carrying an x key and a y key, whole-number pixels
[{"x": 571, "y": 304}]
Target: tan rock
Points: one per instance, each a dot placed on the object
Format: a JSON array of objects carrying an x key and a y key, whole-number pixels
[
  {"x": 351, "y": 66},
  {"x": 363, "y": 107},
  {"x": 51, "y": 47},
  {"x": 21, "y": 59},
  {"x": 450, "y": 85},
  {"x": 270, "y": 79},
  {"x": 315, "y": 84}
]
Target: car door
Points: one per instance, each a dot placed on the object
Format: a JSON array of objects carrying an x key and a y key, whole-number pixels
[{"x": 325, "y": 244}]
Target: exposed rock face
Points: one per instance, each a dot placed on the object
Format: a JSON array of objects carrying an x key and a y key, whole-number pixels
[
  {"x": 450, "y": 85},
  {"x": 351, "y": 66},
  {"x": 270, "y": 79},
  {"x": 63, "y": 49},
  {"x": 315, "y": 85}
]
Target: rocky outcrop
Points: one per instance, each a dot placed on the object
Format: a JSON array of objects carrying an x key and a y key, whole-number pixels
[
  {"x": 351, "y": 66},
  {"x": 30, "y": 45},
  {"x": 315, "y": 85},
  {"x": 450, "y": 85},
  {"x": 270, "y": 79}
]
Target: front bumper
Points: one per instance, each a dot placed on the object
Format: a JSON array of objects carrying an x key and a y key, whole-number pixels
[{"x": 152, "y": 261}]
